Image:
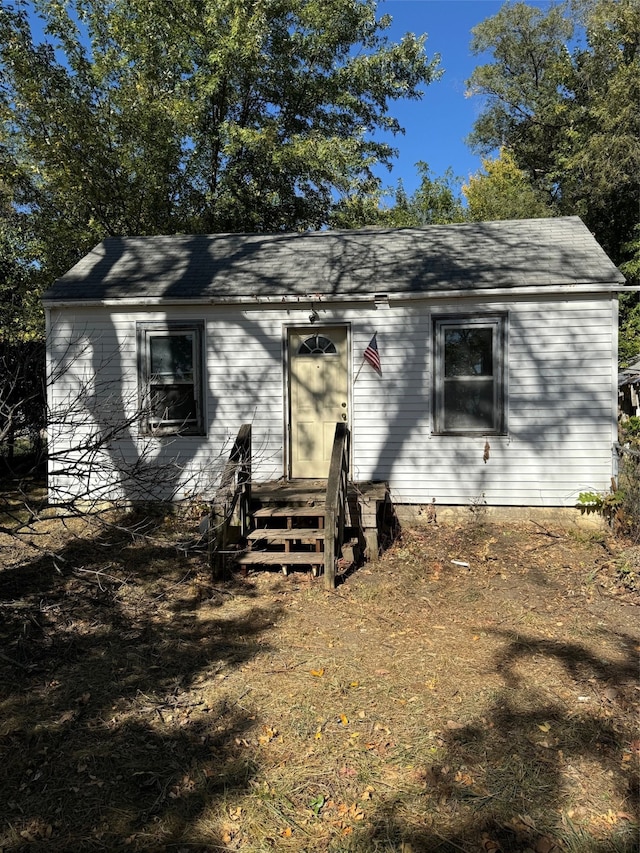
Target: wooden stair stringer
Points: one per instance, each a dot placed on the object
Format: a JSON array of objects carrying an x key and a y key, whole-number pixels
[{"x": 287, "y": 525}]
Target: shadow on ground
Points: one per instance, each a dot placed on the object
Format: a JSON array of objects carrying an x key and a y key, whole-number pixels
[
  {"x": 522, "y": 756},
  {"x": 105, "y": 738}
]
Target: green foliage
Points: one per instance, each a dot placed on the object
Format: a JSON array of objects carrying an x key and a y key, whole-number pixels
[
  {"x": 521, "y": 86},
  {"x": 436, "y": 202},
  {"x": 621, "y": 506},
  {"x": 603, "y": 503},
  {"x": 20, "y": 309},
  {"x": 503, "y": 191},
  {"x": 629, "y": 488},
  {"x": 628, "y": 575},
  {"x": 629, "y": 335},
  {"x": 630, "y": 430}
]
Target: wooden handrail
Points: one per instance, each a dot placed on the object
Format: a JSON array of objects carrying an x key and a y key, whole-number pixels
[
  {"x": 335, "y": 502},
  {"x": 234, "y": 491}
]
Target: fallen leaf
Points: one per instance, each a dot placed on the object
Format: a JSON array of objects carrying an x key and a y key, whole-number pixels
[
  {"x": 347, "y": 771},
  {"x": 545, "y": 727},
  {"x": 268, "y": 735},
  {"x": 318, "y": 673},
  {"x": 451, "y": 724},
  {"x": 344, "y": 720},
  {"x": 355, "y": 812},
  {"x": 287, "y": 832}
]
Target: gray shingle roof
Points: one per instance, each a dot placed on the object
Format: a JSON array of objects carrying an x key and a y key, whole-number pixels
[
  {"x": 630, "y": 375},
  {"x": 434, "y": 259}
]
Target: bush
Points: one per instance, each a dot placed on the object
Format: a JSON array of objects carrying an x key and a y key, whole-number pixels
[
  {"x": 629, "y": 487},
  {"x": 621, "y": 506}
]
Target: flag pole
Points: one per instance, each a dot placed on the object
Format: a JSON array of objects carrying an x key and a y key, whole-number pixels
[{"x": 363, "y": 360}]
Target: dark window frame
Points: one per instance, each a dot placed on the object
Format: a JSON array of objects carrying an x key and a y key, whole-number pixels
[
  {"x": 150, "y": 424},
  {"x": 497, "y": 322}
]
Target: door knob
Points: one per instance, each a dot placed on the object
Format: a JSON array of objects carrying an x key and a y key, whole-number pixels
[{"x": 344, "y": 416}]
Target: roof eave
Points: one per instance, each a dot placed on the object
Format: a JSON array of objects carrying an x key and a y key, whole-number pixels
[{"x": 401, "y": 296}]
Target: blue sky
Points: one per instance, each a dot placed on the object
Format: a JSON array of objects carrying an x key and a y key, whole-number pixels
[{"x": 437, "y": 125}]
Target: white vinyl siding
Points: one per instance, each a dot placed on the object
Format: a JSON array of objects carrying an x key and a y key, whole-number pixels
[{"x": 560, "y": 372}]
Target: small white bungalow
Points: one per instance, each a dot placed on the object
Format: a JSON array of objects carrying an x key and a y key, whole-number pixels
[{"x": 160, "y": 348}]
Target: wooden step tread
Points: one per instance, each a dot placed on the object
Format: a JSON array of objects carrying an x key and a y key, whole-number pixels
[
  {"x": 273, "y": 534},
  {"x": 280, "y": 558},
  {"x": 290, "y": 512}
]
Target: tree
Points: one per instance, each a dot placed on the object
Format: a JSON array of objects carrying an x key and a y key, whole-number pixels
[
  {"x": 569, "y": 116},
  {"x": 151, "y": 116},
  {"x": 503, "y": 191},
  {"x": 436, "y": 202},
  {"x": 20, "y": 309}
]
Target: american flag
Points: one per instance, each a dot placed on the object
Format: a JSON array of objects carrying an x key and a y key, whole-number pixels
[{"x": 372, "y": 355}]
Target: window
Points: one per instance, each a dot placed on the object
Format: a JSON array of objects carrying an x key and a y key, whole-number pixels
[
  {"x": 469, "y": 390},
  {"x": 317, "y": 345},
  {"x": 171, "y": 377}
]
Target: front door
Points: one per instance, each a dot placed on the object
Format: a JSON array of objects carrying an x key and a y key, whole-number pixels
[{"x": 318, "y": 386}]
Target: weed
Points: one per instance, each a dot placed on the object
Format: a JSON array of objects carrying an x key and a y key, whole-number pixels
[
  {"x": 478, "y": 510},
  {"x": 628, "y": 575},
  {"x": 587, "y": 537},
  {"x": 605, "y": 504}
]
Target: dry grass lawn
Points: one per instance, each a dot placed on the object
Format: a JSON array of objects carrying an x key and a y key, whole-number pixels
[{"x": 422, "y": 706}]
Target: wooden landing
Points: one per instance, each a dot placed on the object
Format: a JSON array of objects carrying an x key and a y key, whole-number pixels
[
  {"x": 365, "y": 512},
  {"x": 292, "y": 492},
  {"x": 312, "y": 492}
]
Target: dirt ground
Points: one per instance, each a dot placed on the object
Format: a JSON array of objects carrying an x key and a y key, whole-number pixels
[{"x": 475, "y": 689}]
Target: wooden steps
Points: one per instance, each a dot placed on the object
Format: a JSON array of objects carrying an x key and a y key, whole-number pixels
[
  {"x": 290, "y": 512},
  {"x": 287, "y": 523},
  {"x": 329, "y": 524},
  {"x": 273, "y": 536},
  {"x": 280, "y": 558},
  {"x": 287, "y": 534}
]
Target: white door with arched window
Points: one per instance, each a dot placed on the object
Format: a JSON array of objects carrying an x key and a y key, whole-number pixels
[{"x": 318, "y": 396}]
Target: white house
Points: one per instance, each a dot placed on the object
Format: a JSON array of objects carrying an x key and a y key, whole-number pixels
[{"x": 497, "y": 344}]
